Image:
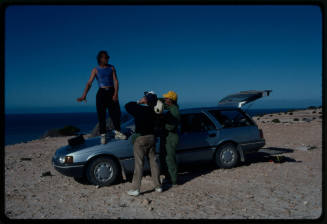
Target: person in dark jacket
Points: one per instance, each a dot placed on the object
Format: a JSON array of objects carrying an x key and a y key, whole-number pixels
[{"x": 144, "y": 143}]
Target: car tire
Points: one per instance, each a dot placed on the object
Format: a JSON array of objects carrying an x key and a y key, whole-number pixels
[
  {"x": 103, "y": 171},
  {"x": 226, "y": 156}
]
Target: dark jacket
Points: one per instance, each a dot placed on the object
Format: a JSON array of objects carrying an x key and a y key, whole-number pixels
[{"x": 144, "y": 117}]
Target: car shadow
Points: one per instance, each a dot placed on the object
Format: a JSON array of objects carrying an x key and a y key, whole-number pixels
[
  {"x": 84, "y": 181},
  {"x": 187, "y": 172},
  {"x": 270, "y": 154},
  {"x": 275, "y": 150}
]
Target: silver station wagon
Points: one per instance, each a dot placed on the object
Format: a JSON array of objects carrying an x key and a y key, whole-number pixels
[{"x": 221, "y": 134}]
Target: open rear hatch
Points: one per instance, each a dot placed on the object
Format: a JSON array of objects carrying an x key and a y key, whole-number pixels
[{"x": 243, "y": 97}]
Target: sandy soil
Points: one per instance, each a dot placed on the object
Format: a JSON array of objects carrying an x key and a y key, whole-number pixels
[{"x": 256, "y": 189}]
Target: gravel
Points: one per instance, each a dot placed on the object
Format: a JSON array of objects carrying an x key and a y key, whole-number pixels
[{"x": 257, "y": 189}]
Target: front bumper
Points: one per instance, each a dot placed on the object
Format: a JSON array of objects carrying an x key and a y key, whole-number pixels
[{"x": 74, "y": 170}]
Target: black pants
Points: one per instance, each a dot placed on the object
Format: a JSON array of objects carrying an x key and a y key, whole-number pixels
[
  {"x": 163, "y": 154},
  {"x": 103, "y": 102}
]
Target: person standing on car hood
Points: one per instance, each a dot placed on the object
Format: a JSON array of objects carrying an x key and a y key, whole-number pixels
[
  {"x": 144, "y": 140},
  {"x": 169, "y": 139},
  {"x": 107, "y": 95}
]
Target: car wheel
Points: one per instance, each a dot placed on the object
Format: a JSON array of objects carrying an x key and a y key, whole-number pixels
[
  {"x": 102, "y": 171},
  {"x": 226, "y": 156}
]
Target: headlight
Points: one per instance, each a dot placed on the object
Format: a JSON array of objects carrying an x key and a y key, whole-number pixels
[
  {"x": 62, "y": 159},
  {"x": 66, "y": 159}
]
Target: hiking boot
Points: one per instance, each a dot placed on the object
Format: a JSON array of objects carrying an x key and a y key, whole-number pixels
[
  {"x": 119, "y": 135},
  {"x": 133, "y": 192},
  {"x": 103, "y": 139},
  {"x": 158, "y": 189}
]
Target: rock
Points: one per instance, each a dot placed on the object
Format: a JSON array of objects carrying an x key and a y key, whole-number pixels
[
  {"x": 249, "y": 196},
  {"x": 68, "y": 130},
  {"x": 150, "y": 208},
  {"x": 302, "y": 148},
  {"x": 305, "y": 147},
  {"x": 311, "y": 147},
  {"x": 305, "y": 202},
  {"x": 146, "y": 201},
  {"x": 123, "y": 205},
  {"x": 306, "y": 119},
  {"x": 51, "y": 133}
]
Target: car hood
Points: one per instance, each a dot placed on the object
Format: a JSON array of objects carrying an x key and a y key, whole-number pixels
[{"x": 92, "y": 146}]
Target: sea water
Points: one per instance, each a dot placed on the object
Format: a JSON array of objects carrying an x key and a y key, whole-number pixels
[{"x": 27, "y": 127}]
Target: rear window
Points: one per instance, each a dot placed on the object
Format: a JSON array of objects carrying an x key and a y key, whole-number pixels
[{"x": 231, "y": 118}]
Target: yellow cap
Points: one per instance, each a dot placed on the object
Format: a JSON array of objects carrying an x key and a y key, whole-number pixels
[{"x": 171, "y": 95}]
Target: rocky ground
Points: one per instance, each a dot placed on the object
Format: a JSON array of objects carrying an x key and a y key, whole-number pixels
[{"x": 259, "y": 188}]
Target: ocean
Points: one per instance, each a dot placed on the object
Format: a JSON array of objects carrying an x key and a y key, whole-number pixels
[{"x": 27, "y": 127}]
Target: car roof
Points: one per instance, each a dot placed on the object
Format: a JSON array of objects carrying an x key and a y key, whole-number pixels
[{"x": 199, "y": 109}]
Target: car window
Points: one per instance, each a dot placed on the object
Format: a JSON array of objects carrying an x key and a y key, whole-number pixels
[
  {"x": 198, "y": 122},
  {"x": 231, "y": 118}
]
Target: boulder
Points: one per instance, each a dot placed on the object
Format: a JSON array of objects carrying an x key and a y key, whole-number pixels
[
  {"x": 305, "y": 147},
  {"x": 68, "y": 130},
  {"x": 302, "y": 148}
]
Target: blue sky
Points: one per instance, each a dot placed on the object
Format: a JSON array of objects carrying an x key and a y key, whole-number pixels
[{"x": 202, "y": 52}]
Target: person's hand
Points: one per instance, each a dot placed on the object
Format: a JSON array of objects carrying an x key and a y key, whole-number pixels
[
  {"x": 83, "y": 98},
  {"x": 141, "y": 101},
  {"x": 115, "y": 97}
]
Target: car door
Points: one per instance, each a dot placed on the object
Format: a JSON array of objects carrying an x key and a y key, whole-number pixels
[
  {"x": 243, "y": 97},
  {"x": 198, "y": 135}
]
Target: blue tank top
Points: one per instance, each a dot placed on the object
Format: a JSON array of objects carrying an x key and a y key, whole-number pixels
[{"x": 105, "y": 76}]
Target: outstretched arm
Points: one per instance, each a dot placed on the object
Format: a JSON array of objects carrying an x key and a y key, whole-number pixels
[
  {"x": 116, "y": 85},
  {"x": 88, "y": 86},
  {"x": 134, "y": 108}
]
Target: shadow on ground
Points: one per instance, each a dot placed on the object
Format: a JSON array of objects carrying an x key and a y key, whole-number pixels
[
  {"x": 270, "y": 154},
  {"x": 188, "y": 172}
]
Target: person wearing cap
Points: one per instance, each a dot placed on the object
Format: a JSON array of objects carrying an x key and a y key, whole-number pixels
[
  {"x": 169, "y": 139},
  {"x": 144, "y": 142}
]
